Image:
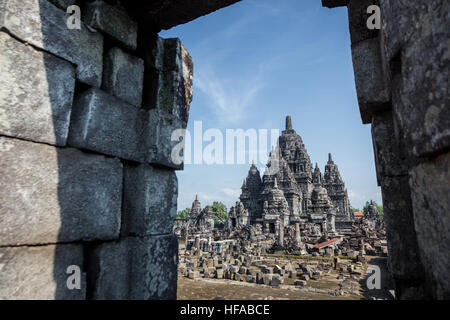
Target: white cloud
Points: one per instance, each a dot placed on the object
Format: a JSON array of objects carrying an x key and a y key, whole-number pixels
[
  {"x": 232, "y": 193},
  {"x": 358, "y": 200},
  {"x": 228, "y": 97}
]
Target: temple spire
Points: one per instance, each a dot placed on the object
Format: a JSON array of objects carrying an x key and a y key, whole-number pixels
[
  {"x": 288, "y": 123},
  {"x": 196, "y": 197},
  {"x": 330, "y": 158}
]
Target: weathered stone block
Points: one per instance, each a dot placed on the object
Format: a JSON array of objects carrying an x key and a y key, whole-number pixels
[
  {"x": 105, "y": 124},
  {"x": 430, "y": 190},
  {"x": 404, "y": 258},
  {"x": 276, "y": 280},
  {"x": 419, "y": 52},
  {"x": 36, "y": 93},
  {"x": 40, "y": 273},
  {"x": 113, "y": 20},
  {"x": 161, "y": 128},
  {"x": 390, "y": 157},
  {"x": 167, "y": 14},
  {"x": 135, "y": 269},
  {"x": 150, "y": 200},
  {"x": 43, "y": 25},
  {"x": 372, "y": 89},
  {"x": 334, "y": 3},
  {"x": 172, "y": 71},
  {"x": 57, "y": 195},
  {"x": 358, "y": 16},
  {"x": 63, "y": 4},
  {"x": 267, "y": 278},
  {"x": 123, "y": 76}
]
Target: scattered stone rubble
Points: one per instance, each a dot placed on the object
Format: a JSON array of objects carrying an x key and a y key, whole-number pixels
[
  {"x": 235, "y": 263},
  {"x": 304, "y": 260}
]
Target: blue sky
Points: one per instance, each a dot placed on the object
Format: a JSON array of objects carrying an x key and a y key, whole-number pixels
[{"x": 256, "y": 62}]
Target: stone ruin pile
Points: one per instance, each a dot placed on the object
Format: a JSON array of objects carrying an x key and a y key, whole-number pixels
[
  {"x": 247, "y": 253},
  {"x": 251, "y": 266}
]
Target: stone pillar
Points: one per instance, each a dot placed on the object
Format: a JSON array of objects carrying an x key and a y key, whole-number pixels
[
  {"x": 281, "y": 234},
  {"x": 401, "y": 90},
  {"x": 298, "y": 238},
  {"x": 83, "y": 155},
  {"x": 197, "y": 245}
]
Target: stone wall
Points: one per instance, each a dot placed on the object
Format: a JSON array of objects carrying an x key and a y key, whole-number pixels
[
  {"x": 402, "y": 81},
  {"x": 86, "y": 117}
]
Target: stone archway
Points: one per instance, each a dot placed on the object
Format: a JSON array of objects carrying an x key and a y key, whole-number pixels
[{"x": 69, "y": 130}]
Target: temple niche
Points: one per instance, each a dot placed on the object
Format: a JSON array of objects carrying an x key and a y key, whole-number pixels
[{"x": 292, "y": 192}]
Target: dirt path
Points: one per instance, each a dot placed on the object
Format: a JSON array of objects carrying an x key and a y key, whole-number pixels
[{"x": 208, "y": 289}]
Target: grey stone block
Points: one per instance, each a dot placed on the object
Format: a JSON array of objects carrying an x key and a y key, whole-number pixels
[
  {"x": 63, "y": 4},
  {"x": 150, "y": 200},
  {"x": 276, "y": 280},
  {"x": 113, "y": 20},
  {"x": 161, "y": 149},
  {"x": 44, "y": 26},
  {"x": 267, "y": 279},
  {"x": 430, "y": 191},
  {"x": 334, "y": 3},
  {"x": 57, "y": 195},
  {"x": 40, "y": 273},
  {"x": 419, "y": 52},
  {"x": 358, "y": 16},
  {"x": 172, "y": 71},
  {"x": 404, "y": 257},
  {"x": 36, "y": 93},
  {"x": 123, "y": 76},
  {"x": 371, "y": 85},
  {"x": 390, "y": 157},
  {"x": 135, "y": 269},
  {"x": 105, "y": 124}
]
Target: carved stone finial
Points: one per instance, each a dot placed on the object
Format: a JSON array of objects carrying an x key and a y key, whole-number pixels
[
  {"x": 275, "y": 184},
  {"x": 330, "y": 158},
  {"x": 288, "y": 123}
]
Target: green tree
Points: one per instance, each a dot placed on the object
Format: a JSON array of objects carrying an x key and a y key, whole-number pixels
[
  {"x": 380, "y": 210},
  {"x": 220, "y": 211},
  {"x": 183, "y": 214}
]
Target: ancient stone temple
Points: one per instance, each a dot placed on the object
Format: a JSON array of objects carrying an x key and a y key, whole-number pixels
[
  {"x": 238, "y": 216},
  {"x": 291, "y": 191},
  {"x": 200, "y": 220}
]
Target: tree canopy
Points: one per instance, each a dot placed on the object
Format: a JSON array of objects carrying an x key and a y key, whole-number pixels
[
  {"x": 183, "y": 213},
  {"x": 220, "y": 211}
]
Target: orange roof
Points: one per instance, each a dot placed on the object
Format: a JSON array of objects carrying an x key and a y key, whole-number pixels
[
  {"x": 359, "y": 214},
  {"x": 326, "y": 243}
]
